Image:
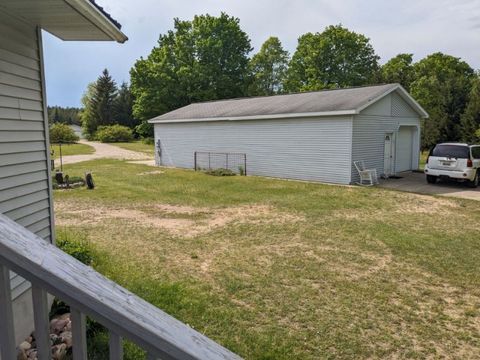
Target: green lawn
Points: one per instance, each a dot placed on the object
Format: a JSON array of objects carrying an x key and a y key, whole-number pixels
[
  {"x": 72, "y": 149},
  {"x": 278, "y": 269},
  {"x": 137, "y": 146}
]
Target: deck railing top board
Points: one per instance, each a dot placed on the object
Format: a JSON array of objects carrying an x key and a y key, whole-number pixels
[{"x": 118, "y": 309}]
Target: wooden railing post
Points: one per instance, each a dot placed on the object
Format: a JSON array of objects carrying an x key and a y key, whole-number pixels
[
  {"x": 116, "y": 346},
  {"x": 7, "y": 329},
  {"x": 79, "y": 335},
  {"x": 42, "y": 328}
]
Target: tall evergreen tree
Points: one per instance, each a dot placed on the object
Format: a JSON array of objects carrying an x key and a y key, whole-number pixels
[
  {"x": 98, "y": 103},
  {"x": 470, "y": 121},
  {"x": 334, "y": 58},
  {"x": 123, "y": 107},
  {"x": 56, "y": 116},
  {"x": 268, "y": 68},
  {"x": 103, "y": 99}
]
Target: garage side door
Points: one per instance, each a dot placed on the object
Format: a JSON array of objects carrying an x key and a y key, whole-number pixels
[{"x": 404, "y": 149}]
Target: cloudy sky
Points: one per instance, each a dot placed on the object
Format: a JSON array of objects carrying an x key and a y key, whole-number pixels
[{"x": 414, "y": 26}]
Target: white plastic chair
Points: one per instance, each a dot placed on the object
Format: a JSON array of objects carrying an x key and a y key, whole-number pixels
[{"x": 368, "y": 177}]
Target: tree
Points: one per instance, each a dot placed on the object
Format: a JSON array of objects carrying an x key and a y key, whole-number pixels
[
  {"x": 442, "y": 86},
  {"x": 399, "y": 69},
  {"x": 103, "y": 99},
  {"x": 268, "y": 68},
  {"x": 334, "y": 58},
  {"x": 203, "y": 59},
  {"x": 62, "y": 134},
  {"x": 65, "y": 115},
  {"x": 470, "y": 120},
  {"x": 98, "y": 103},
  {"x": 123, "y": 107},
  {"x": 87, "y": 116}
]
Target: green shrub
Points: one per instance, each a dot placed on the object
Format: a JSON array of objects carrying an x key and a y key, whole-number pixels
[
  {"x": 75, "y": 245},
  {"x": 114, "y": 133},
  {"x": 62, "y": 133},
  {"x": 144, "y": 129},
  {"x": 148, "y": 141},
  {"x": 220, "y": 172}
]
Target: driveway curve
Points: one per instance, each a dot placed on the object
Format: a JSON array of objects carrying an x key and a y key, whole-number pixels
[{"x": 103, "y": 151}]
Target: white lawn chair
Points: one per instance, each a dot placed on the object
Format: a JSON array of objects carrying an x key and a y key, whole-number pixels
[{"x": 368, "y": 177}]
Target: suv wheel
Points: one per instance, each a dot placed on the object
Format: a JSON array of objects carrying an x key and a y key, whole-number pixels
[
  {"x": 475, "y": 181},
  {"x": 431, "y": 179}
]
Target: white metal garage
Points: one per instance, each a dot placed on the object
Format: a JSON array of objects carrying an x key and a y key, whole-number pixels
[{"x": 309, "y": 136}]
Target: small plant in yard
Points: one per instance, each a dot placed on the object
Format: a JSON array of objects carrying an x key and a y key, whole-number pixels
[
  {"x": 114, "y": 133},
  {"x": 220, "y": 172},
  {"x": 148, "y": 141},
  {"x": 76, "y": 245}
]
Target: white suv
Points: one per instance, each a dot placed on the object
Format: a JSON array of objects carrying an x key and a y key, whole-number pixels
[{"x": 454, "y": 161}]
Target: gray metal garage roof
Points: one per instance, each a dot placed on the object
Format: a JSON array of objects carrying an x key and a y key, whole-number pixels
[{"x": 318, "y": 103}]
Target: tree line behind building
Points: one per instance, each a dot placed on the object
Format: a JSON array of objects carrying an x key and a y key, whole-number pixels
[{"x": 208, "y": 59}]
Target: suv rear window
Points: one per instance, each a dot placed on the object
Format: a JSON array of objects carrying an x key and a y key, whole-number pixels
[{"x": 453, "y": 151}]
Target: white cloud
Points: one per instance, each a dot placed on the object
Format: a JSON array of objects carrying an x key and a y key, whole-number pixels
[{"x": 418, "y": 27}]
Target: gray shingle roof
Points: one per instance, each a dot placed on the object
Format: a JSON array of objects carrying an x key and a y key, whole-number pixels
[
  {"x": 327, "y": 101},
  {"x": 107, "y": 15}
]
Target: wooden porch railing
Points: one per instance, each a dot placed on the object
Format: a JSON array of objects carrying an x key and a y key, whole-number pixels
[{"x": 87, "y": 292}]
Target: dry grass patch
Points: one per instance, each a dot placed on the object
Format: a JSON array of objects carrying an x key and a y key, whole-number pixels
[{"x": 172, "y": 217}]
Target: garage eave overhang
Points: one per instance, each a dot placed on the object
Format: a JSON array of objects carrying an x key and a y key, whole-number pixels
[
  {"x": 69, "y": 20},
  {"x": 257, "y": 117}
]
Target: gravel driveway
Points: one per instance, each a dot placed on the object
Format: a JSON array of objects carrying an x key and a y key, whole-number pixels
[{"x": 103, "y": 151}]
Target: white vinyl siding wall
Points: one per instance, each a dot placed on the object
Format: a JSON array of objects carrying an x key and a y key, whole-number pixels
[
  {"x": 24, "y": 182},
  {"x": 317, "y": 149},
  {"x": 370, "y": 127}
]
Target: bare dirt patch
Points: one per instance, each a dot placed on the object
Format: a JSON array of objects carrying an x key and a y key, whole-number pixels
[
  {"x": 154, "y": 172},
  {"x": 172, "y": 218}
]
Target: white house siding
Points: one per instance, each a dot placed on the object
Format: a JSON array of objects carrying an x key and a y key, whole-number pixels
[
  {"x": 370, "y": 127},
  {"x": 317, "y": 149},
  {"x": 24, "y": 174}
]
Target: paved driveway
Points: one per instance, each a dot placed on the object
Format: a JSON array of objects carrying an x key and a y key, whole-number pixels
[{"x": 415, "y": 182}]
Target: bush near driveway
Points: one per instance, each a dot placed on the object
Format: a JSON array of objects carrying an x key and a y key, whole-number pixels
[
  {"x": 62, "y": 133},
  {"x": 114, "y": 133}
]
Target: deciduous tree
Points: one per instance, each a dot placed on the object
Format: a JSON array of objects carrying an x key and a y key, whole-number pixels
[
  {"x": 470, "y": 121},
  {"x": 442, "y": 86},
  {"x": 334, "y": 58},
  {"x": 399, "y": 69},
  {"x": 203, "y": 59},
  {"x": 268, "y": 68}
]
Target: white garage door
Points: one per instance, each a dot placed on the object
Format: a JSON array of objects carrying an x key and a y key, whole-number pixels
[{"x": 404, "y": 148}]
